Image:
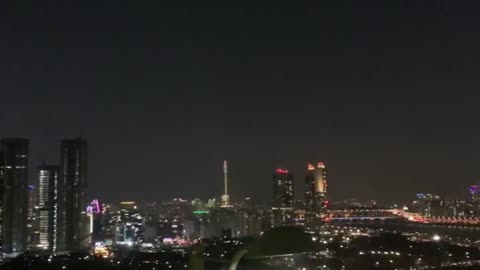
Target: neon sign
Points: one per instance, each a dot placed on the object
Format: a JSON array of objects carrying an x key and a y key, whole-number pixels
[{"x": 94, "y": 207}]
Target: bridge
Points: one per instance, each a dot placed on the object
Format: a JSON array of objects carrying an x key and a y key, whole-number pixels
[
  {"x": 370, "y": 215},
  {"x": 395, "y": 214}
]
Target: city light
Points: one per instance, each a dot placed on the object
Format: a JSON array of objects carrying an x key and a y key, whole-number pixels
[
  {"x": 94, "y": 207},
  {"x": 281, "y": 171},
  {"x": 197, "y": 137},
  {"x": 201, "y": 212}
]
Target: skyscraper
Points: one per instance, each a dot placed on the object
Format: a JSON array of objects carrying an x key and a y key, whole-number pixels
[
  {"x": 282, "y": 204},
  {"x": 128, "y": 224},
  {"x": 316, "y": 187},
  {"x": 15, "y": 195},
  {"x": 32, "y": 217},
  {"x": 315, "y": 192},
  {"x": 74, "y": 184},
  {"x": 47, "y": 203}
]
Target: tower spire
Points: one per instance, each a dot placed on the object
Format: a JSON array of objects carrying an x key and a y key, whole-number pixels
[{"x": 225, "y": 196}]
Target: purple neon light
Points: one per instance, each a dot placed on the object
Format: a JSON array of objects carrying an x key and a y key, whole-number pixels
[
  {"x": 474, "y": 189},
  {"x": 94, "y": 207}
]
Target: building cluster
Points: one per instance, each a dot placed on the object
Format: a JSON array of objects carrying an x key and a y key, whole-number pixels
[
  {"x": 180, "y": 221},
  {"x": 51, "y": 212},
  {"x": 48, "y": 213},
  {"x": 428, "y": 206},
  {"x": 310, "y": 212},
  {"x": 243, "y": 219}
]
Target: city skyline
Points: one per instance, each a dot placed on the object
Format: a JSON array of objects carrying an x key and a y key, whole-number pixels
[
  {"x": 264, "y": 198},
  {"x": 390, "y": 106},
  {"x": 303, "y": 189},
  {"x": 168, "y": 135},
  {"x": 55, "y": 216}
]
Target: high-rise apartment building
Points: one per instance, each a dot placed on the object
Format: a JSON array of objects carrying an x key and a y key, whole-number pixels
[
  {"x": 316, "y": 187},
  {"x": 32, "y": 217},
  {"x": 15, "y": 193},
  {"x": 282, "y": 189},
  {"x": 48, "y": 206},
  {"x": 282, "y": 203},
  {"x": 73, "y": 155},
  {"x": 128, "y": 224},
  {"x": 315, "y": 194}
]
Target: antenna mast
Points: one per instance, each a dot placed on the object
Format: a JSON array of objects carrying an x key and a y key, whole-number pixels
[{"x": 225, "y": 196}]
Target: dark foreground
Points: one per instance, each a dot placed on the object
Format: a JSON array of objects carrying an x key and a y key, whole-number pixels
[{"x": 80, "y": 260}]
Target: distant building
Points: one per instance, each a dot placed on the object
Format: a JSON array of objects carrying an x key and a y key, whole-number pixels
[
  {"x": 248, "y": 222},
  {"x": 215, "y": 222},
  {"x": 429, "y": 205},
  {"x": 316, "y": 187},
  {"x": 283, "y": 200},
  {"x": 282, "y": 189},
  {"x": 47, "y": 204},
  {"x": 74, "y": 184},
  {"x": 32, "y": 217},
  {"x": 128, "y": 224},
  {"x": 246, "y": 203},
  {"x": 15, "y": 196},
  {"x": 107, "y": 224},
  {"x": 315, "y": 193},
  {"x": 176, "y": 216},
  {"x": 222, "y": 222},
  {"x": 300, "y": 217},
  {"x": 196, "y": 225},
  {"x": 461, "y": 208}
]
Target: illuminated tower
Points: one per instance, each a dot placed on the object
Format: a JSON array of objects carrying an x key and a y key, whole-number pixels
[
  {"x": 128, "y": 224},
  {"x": 74, "y": 184},
  {"x": 32, "y": 217},
  {"x": 225, "y": 196},
  {"x": 15, "y": 195},
  {"x": 47, "y": 203},
  {"x": 282, "y": 203},
  {"x": 316, "y": 187},
  {"x": 94, "y": 212}
]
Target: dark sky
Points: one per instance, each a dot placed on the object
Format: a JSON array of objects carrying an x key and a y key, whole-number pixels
[{"x": 387, "y": 95}]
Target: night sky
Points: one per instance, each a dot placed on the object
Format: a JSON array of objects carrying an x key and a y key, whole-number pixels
[{"x": 387, "y": 95}]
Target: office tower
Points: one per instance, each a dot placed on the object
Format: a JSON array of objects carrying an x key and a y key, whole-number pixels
[
  {"x": 128, "y": 224},
  {"x": 315, "y": 194},
  {"x": 316, "y": 187},
  {"x": 128, "y": 205},
  {"x": 176, "y": 216},
  {"x": 429, "y": 205},
  {"x": 222, "y": 222},
  {"x": 282, "y": 204},
  {"x": 215, "y": 222},
  {"x": 15, "y": 195},
  {"x": 74, "y": 184},
  {"x": 248, "y": 220},
  {"x": 47, "y": 204},
  {"x": 32, "y": 217},
  {"x": 282, "y": 189}
]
